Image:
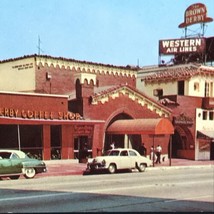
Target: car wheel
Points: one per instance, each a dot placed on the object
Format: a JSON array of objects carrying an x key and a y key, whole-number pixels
[
  {"x": 14, "y": 177},
  {"x": 141, "y": 167},
  {"x": 112, "y": 168},
  {"x": 30, "y": 173}
]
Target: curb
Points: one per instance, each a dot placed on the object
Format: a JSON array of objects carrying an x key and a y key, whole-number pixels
[{"x": 179, "y": 167}]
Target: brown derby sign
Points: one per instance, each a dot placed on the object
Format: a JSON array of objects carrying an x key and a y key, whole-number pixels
[{"x": 195, "y": 13}]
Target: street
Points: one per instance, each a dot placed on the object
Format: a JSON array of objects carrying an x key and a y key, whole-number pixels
[{"x": 189, "y": 190}]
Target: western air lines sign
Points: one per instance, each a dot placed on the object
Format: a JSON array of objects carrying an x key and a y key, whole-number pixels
[{"x": 187, "y": 45}]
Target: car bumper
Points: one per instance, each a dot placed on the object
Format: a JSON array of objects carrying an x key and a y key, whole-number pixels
[
  {"x": 41, "y": 169},
  {"x": 95, "y": 167}
]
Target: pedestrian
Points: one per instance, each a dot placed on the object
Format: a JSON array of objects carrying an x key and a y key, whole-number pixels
[
  {"x": 112, "y": 145},
  {"x": 158, "y": 153},
  {"x": 143, "y": 150},
  {"x": 152, "y": 154}
]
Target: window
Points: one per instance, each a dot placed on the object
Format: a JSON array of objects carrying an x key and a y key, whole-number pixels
[
  {"x": 206, "y": 89},
  {"x": 14, "y": 156},
  {"x": 181, "y": 87},
  {"x": 124, "y": 153},
  {"x": 211, "y": 115},
  {"x": 132, "y": 153},
  {"x": 158, "y": 92},
  {"x": 204, "y": 115},
  {"x": 196, "y": 86}
]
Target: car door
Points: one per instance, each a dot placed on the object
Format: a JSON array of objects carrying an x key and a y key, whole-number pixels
[
  {"x": 125, "y": 161},
  {"x": 5, "y": 166},
  {"x": 133, "y": 158},
  {"x": 16, "y": 163},
  {"x": 5, "y": 163},
  {"x": 8, "y": 165}
]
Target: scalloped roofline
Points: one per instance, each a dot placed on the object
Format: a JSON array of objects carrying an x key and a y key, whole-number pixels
[
  {"x": 70, "y": 60},
  {"x": 109, "y": 91}
]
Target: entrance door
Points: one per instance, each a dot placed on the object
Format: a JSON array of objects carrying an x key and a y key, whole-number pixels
[{"x": 82, "y": 148}]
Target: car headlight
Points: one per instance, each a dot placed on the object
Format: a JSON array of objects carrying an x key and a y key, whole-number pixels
[{"x": 103, "y": 162}]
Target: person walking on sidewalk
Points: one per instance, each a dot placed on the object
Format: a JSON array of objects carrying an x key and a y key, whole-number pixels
[
  {"x": 152, "y": 155},
  {"x": 158, "y": 153}
]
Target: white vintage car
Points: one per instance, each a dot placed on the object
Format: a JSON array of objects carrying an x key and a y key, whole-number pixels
[{"x": 117, "y": 159}]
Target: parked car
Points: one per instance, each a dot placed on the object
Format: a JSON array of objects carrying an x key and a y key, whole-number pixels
[
  {"x": 14, "y": 163},
  {"x": 117, "y": 159}
]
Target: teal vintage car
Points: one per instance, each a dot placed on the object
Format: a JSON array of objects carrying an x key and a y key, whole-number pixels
[{"x": 14, "y": 163}]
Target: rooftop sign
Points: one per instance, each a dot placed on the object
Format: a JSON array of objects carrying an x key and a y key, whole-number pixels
[
  {"x": 177, "y": 46},
  {"x": 195, "y": 13}
]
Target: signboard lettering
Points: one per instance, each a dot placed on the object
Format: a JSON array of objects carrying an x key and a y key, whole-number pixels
[
  {"x": 195, "y": 13},
  {"x": 175, "y": 46},
  {"x": 30, "y": 114}
]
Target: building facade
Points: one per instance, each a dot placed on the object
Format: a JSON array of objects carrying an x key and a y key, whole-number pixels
[
  {"x": 188, "y": 91},
  {"x": 57, "y": 108}
]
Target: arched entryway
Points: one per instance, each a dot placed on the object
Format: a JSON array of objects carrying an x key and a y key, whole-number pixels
[
  {"x": 182, "y": 143},
  {"x": 149, "y": 127},
  {"x": 122, "y": 140}
]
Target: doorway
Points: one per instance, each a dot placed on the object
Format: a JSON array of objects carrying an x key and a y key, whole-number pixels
[{"x": 82, "y": 148}]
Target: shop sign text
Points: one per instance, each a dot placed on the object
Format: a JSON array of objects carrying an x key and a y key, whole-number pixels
[{"x": 29, "y": 114}]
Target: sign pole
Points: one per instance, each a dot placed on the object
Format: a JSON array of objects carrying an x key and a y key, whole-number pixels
[
  {"x": 153, "y": 152},
  {"x": 19, "y": 143},
  {"x": 170, "y": 150}
]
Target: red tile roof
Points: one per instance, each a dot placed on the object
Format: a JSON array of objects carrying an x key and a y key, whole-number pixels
[{"x": 178, "y": 73}]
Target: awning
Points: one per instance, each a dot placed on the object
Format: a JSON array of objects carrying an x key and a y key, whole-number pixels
[
  {"x": 158, "y": 126},
  {"x": 205, "y": 134}
]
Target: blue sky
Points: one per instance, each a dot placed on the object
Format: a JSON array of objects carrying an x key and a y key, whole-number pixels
[{"x": 117, "y": 32}]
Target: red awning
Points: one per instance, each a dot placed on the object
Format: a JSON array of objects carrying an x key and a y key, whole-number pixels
[{"x": 158, "y": 126}]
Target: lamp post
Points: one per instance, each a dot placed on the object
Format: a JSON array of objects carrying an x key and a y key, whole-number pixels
[
  {"x": 153, "y": 152},
  {"x": 170, "y": 150}
]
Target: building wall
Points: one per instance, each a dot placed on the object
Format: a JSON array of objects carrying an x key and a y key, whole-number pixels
[
  {"x": 169, "y": 88},
  {"x": 192, "y": 87},
  {"x": 17, "y": 75},
  {"x": 204, "y": 122},
  {"x": 196, "y": 86},
  {"x": 121, "y": 104},
  {"x": 32, "y": 106},
  {"x": 63, "y": 74}
]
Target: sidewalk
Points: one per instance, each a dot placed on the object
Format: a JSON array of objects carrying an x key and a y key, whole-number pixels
[{"x": 72, "y": 167}]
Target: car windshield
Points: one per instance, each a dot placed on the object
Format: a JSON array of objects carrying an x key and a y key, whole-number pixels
[{"x": 113, "y": 153}]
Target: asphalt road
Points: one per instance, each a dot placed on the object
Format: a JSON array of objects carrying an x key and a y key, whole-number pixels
[{"x": 183, "y": 190}]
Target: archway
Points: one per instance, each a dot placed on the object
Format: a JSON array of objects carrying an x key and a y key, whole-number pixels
[
  {"x": 182, "y": 142},
  {"x": 148, "y": 126},
  {"x": 122, "y": 140}
]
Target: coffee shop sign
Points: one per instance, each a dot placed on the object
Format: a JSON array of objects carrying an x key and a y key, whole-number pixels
[{"x": 29, "y": 114}]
